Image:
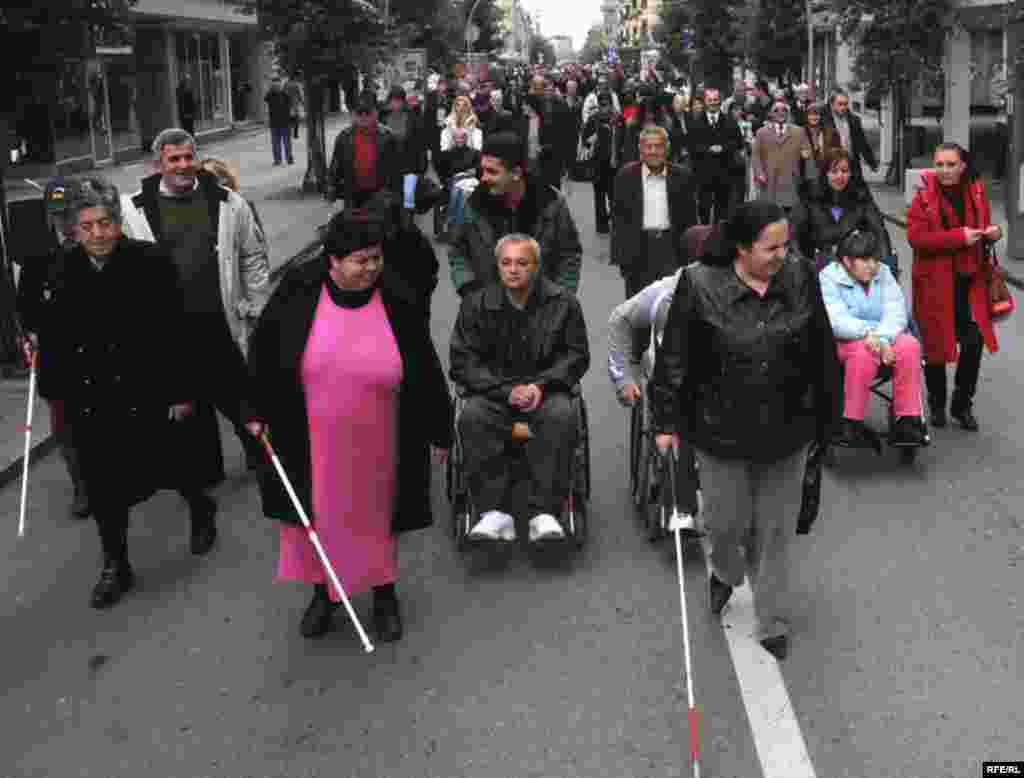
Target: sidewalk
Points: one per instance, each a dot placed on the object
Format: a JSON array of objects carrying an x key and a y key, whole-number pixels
[
  {"x": 894, "y": 208},
  {"x": 290, "y": 220}
]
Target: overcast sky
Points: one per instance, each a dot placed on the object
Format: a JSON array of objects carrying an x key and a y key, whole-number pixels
[{"x": 566, "y": 17}]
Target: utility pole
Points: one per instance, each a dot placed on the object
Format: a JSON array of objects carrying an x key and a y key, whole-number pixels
[
  {"x": 1015, "y": 131},
  {"x": 810, "y": 42}
]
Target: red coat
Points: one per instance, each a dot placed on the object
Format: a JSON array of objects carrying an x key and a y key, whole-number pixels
[{"x": 936, "y": 250}]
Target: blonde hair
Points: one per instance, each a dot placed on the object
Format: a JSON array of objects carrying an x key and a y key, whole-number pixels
[
  {"x": 469, "y": 122},
  {"x": 226, "y": 173}
]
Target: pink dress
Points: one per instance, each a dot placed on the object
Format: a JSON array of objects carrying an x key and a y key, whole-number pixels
[{"x": 351, "y": 371}]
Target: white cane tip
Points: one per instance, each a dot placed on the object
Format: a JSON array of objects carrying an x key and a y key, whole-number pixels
[{"x": 368, "y": 648}]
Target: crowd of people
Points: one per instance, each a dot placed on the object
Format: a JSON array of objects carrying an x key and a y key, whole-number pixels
[{"x": 746, "y": 238}]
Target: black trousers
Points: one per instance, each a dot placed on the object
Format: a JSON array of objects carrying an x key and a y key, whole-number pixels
[
  {"x": 295, "y": 126},
  {"x": 968, "y": 366},
  {"x": 714, "y": 193},
  {"x": 485, "y": 427},
  {"x": 604, "y": 194},
  {"x": 662, "y": 260}
]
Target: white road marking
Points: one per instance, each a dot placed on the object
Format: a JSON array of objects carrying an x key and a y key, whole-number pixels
[{"x": 777, "y": 736}]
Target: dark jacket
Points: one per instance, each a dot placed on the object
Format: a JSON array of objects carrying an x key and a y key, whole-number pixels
[
  {"x": 815, "y": 228},
  {"x": 607, "y": 146},
  {"x": 277, "y": 398},
  {"x": 111, "y": 350},
  {"x": 456, "y": 160},
  {"x": 33, "y": 290},
  {"x": 745, "y": 377},
  {"x": 279, "y": 108},
  {"x": 543, "y": 213},
  {"x": 707, "y": 165},
  {"x": 860, "y": 149},
  {"x": 413, "y": 147},
  {"x": 629, "y": 246},
  {"x": 339, "y": 177},
  {"x": 410, "y": 261},
  {"x": 487, "y": 359}
]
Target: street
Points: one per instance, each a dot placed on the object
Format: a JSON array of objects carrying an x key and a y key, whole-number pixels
[{"x": 905, "y": 660}]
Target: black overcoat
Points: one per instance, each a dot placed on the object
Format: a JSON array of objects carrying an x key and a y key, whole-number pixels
[
  {"x": 277, "y": 397},
  {"x": 111, "y": 349}
]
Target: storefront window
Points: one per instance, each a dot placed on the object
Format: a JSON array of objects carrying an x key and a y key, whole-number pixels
[
  {"x": 199, "y": 58},
  {"x": 71, "y": 113},
  {"x": 121, "y": 84}
]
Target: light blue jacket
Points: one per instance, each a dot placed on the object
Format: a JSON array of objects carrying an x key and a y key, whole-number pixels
[{"x": 853, "y": 313}]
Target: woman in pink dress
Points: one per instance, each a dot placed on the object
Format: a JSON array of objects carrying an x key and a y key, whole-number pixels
[{"x": 334, "y": 361}]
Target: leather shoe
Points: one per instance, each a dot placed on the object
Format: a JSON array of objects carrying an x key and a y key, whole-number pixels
[
  {"x": 720, "y": 593},
  {"x": 777, "y": 646},
  {"x": 387, "y": 621},
  {"x": 116, "y": 578},
  {"x": 938, "y": 417},
  {"x": 316, "y": 621},
  {"x": 965, "y": 418},
  {"x": 907, "y": 432},
  {"x": 204, "y": 528}
]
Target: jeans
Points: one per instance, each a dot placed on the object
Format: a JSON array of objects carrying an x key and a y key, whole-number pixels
[
  {"x": 281, "y": 144},
  {"x": 861, "y": 367}
]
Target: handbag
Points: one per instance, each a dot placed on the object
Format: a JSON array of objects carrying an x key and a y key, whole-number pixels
[
  {"x": 583, "y": 168},
  {"x": 1000, "y": 301},
  {"x": 810, "y": 499}
]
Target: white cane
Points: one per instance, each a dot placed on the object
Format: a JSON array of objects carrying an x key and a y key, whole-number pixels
[
  {"x": 693, "y": 714},
  {"x": 28, "y": 444},
  {"x": 315, "y": 540}
]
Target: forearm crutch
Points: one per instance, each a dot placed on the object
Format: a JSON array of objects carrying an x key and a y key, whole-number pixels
[
  {"x": 28, "y": 442},
  {"x": 693, "y": 714},
  {"x": 315, "y": 540}
]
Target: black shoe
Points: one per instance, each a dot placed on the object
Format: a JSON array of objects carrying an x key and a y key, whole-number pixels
[
  {"x": 965, "y": 418},
  {"x": 938, "y": 416},
  {"x": 603, "y": 229},
  {"x": 720, "y": 593},
  {"x": 387, "y": 621},
  {"x": 316, "y": 621},
  {"x": 907, "y": 432},
  {"x": 80, "y": 508},
  {"x": 204, "y": 527},
  {"x": 777, "y": 646},
  {"x": 116, "y": 578},
  {"x": 852, "y": 433}
]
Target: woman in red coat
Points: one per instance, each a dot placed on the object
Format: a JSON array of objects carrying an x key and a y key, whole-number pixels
[{"x": 948, "y": 223}]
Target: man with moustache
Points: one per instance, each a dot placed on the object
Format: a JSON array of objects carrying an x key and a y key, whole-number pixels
[{"x": 715, "y": 143}]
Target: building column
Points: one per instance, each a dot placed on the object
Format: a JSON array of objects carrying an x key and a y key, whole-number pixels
[
  {"x": 887, "y": 120},
  {"x": 228, "y": 84},
  {"x": 956, "y": 124}
]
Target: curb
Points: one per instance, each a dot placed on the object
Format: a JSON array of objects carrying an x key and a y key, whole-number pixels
[{"x": 1011, "y": 278}]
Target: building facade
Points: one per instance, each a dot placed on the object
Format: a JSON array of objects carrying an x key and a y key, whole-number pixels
[{"x": 108, "y": 104}]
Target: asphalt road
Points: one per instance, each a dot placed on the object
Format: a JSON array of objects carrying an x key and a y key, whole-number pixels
[{"x": 905, "y": 660}]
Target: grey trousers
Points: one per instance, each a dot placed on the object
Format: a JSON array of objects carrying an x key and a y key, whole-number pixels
[
  {"x": 485, "y": 427},
  {"x": 751, "y": 511}
]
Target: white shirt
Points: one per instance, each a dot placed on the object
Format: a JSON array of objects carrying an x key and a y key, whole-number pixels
[{"x": 655, "y": 199}]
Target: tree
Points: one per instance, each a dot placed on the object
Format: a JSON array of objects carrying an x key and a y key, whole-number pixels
[
  {"x": 541, "y": 50},
  {"x": 780, "y": 39},
  {"x": 320, "y": 39},
  {"x": 595, "y": 48},
  {"x": 37, "y": 36},
  {"x": 711, "y": 28},
  {"x": 674, "y": 33},
  {"x": 899, "y": 45}
]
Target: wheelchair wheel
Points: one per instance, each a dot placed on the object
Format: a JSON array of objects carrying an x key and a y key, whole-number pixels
[{"x": 583, "y": 451}]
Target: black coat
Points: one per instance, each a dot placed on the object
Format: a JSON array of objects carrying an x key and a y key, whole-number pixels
[
  {"x": 746, "y": 377},
  {"x": 277, "y": 398},
  {"x": 411, "y": 262},
  {"x": 629, "y": 246},
  {"x": 813, "y": 226},
  {"x": 708, "y": 166},
  {"x": 860, "y": 149},
  {"x": 413, "y": 147},
  {"x": 111, "y": 349}
]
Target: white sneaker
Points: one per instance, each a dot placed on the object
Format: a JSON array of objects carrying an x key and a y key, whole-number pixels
[
  {"x": 508, "y": 532},
  {"x": 492, "y": 526},
  {"x": 545, "y": 527}
]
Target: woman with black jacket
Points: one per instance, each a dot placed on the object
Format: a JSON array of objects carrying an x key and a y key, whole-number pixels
[
  {"x": 747, "y": 372},
  {"x": 832, "y": 207}
]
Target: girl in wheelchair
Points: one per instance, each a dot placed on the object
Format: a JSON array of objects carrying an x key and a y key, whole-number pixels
[{"x": 868, "y": 313}]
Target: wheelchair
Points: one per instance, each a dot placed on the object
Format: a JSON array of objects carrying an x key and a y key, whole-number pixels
[
  {"x": 880, "y": 386},
  {"x": 654, "y": 478},
  {"x": 575, "y": 518},
  {"x": 441, "y": 209}
]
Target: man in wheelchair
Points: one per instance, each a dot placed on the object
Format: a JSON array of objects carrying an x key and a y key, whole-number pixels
[
  {"x": 457, "y": 168},
  {"x": 868, "y": 313},
  {"x": 519, "y": 348}
]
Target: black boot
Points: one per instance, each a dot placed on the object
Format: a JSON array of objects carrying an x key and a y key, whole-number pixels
[
  {"x": 964, "y": 416},
  {"x": 316, "y": 621},
  {"x": 80, "y": 508},
  {"x": 935, "y": 380},
  {"x": 907, "y": 432},
  {"x": 202, "y": 510},
  {"x": 777, "y": 646},
  {"x": 116, "y": 578},
  {"x": 720, "y": 593},
  {"x": 387, "y": 620}
]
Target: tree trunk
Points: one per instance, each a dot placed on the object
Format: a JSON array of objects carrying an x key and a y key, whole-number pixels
[{"x": 315, "y": 180}]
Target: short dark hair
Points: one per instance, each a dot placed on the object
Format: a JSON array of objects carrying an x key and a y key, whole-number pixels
[
  {"x": 355, "y": 229},
  {"x": 858, "y": 243},
  {"x": 506, "y": 146},
  {"x": 748, "y": 220},
  {"x": 366, "y": 102}
]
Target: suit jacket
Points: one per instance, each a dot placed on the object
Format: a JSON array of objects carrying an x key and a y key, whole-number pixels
[
  {"x": 860, "y": 149},
  {"x": 781, "y": 162},
  {"x": 707, "y": 165},
  {"x": 629, "y": 246}
]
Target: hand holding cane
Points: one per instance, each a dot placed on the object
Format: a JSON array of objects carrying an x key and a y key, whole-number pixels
[
  {"x": 33, "y": 361},
  {"x": 693, "y": 714},
  {"x": 315, "y": 540}
]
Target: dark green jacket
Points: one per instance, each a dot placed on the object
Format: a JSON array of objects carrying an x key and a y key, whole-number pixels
[{"x": 543, "y": 213}]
